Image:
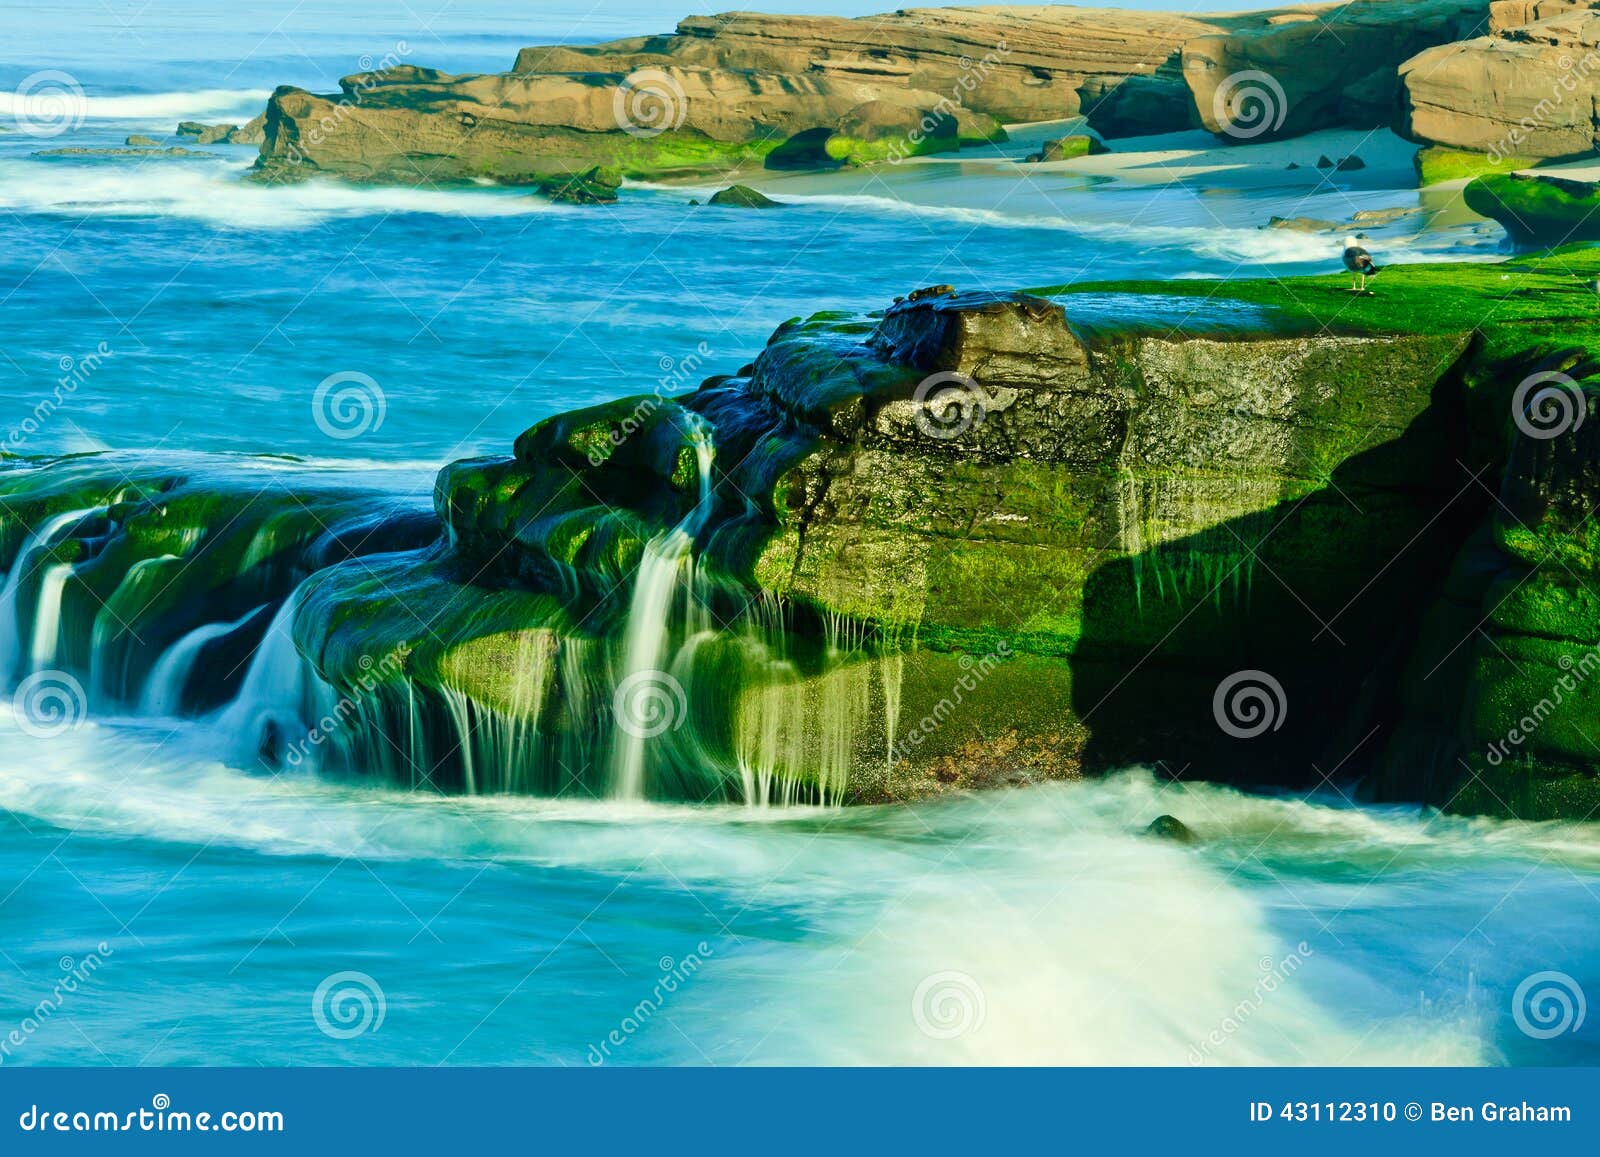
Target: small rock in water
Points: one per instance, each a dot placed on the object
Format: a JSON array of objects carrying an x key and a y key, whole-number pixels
[
  {"x": 1351, "y": 163},
  {"x": 743, "y": 197},
  {"x": 1324, "y": 162},
  {"x": 1292, "y": 165},
  {"x": 1301, "y": 224},
  {"x": 1170, "y": 828},
  {"x": 205, "y": 134},
  {"x": 142, "y": 142},
  {"x": 1379, "y": 216}
]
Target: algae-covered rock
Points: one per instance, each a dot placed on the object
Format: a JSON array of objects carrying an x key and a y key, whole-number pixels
[
  {"x": 1538, "y": 208},
  {"x": 1067, "y": 148},
  {"x": 743, "y": 197}
]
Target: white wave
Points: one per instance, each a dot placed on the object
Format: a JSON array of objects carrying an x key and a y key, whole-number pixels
[
  {"x": 214, "y": 192},
  {"x": 1245, "y": 243},
  {"x": 201, "y": 104},
  {"x": 1039, "y": 916}
]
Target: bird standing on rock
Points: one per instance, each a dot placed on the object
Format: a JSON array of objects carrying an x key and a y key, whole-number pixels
[{"x": 1359, "y": 262}]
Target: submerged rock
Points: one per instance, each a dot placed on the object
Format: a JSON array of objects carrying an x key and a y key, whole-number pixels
[
  {"x": 205, "y": 134},
  {"x": 596, "y": 186},
  {"x": 1302, "y": 224},
  {"x": 174, "y": 152},
  {"x": 1170, "y": 828},
  {"x": 743, "y": 197},
  {"x": 1067, "y": 148}
]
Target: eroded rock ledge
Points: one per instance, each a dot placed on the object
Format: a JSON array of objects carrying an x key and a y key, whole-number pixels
[
  {"x": 989, "y": 539},
  {"x": 1269, "y": 535},
  {"x": 741, "y": 90}
]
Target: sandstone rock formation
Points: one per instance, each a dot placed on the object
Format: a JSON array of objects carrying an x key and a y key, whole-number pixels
[
  {"x": 732, "y": 91},
  {"x": 1317, "y": 67},
  {"x": 1527, "y": 90}
]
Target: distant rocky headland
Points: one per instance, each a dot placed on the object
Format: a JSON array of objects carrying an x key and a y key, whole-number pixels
[{"x": 1497, "y": 80}]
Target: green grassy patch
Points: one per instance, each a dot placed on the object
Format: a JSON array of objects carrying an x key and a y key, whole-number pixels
[{"x": 1437, "y": 164}]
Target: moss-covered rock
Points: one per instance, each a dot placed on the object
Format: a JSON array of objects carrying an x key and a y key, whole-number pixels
[{"x": 1538, "y": 209}]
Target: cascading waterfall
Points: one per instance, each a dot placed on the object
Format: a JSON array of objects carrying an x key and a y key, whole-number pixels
[
  {"x": 13, "y": 625},
  {"x": 700, "y": 692},
  {"x": 47, "y": 616},
  {"x": 643, "y": 688},
  {"x": 164, "y": 687},
  {"x": 270, "y": 708}
]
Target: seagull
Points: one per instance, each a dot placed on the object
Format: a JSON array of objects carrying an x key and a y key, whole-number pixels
[{"x": 1359, "y": 262}]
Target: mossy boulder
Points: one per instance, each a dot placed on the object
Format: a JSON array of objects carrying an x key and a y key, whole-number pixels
[
  {"x": 743, "y": 197},
  {"x": 1068, "y": 148},
  {"x": 1538, "y": 208}
]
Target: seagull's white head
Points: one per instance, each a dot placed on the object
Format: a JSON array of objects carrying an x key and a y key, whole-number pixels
[{"x": 1352, "y": 242}]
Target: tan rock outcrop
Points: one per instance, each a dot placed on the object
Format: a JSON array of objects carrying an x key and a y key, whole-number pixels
[
  {"x": 1317, "y": 67},
  {"x": 1526, "y": 91}
]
